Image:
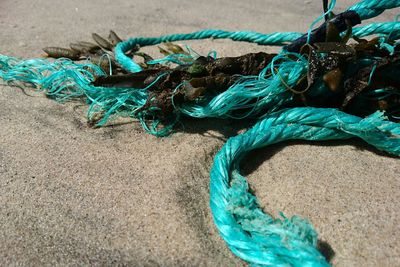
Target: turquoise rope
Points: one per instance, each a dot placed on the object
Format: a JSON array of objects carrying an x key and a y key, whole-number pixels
[
  {"x": 384, "y": 28},
  {"x": 269, "y": 92},
  {"x": 245, "y": 36},
  {"x": 277, "y": 38},
  {"x": 64, "y": 79},
  {"x": 368, "y": 9},
  {"x": 250, "y": 233}
]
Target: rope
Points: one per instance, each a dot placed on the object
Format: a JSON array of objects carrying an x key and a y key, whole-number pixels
[
  {"x": 277, "y": 38},
  {"x": 245, "y": 36},
  {"x": 368, "y": 9},
  {"x": 378, "y": 28},
  {"x": 250, "y": 233},
  {"x": 64, "y": 79}
]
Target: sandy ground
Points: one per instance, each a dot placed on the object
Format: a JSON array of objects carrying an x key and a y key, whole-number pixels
[{"x": 73, "y": 195}]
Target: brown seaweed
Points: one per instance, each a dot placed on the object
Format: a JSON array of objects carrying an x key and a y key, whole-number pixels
[
  {"x": 103, "y": 43},
  {"x": 114, "y": 38},
  {"x": 59, "y": 52}
]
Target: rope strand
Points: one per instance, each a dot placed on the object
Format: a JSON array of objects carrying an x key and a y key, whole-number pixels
[{"x": 249, "y": 232}]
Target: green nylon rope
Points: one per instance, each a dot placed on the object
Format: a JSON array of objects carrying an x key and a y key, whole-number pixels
[
  {"x": 250, "y": 233},
  {"x": 366, "y": 9},
  {"x": 250, "y": 96},
  {"x": 277, "y": 38}
]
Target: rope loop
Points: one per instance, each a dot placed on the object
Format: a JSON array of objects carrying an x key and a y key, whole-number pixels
[{"x": 249, "y": 232}]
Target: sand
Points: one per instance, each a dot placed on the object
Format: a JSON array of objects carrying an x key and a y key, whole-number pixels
[{"x": 74, "y": 195}]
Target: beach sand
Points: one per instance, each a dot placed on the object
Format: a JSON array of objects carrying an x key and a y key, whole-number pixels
[{"x": 75, "y": 195}]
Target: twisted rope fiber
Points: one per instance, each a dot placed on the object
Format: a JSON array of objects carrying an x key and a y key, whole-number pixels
[
  {"x": 249, "y": 232},
  {"x": 368, "y": 9},
  {"x": 64, "y": 79},
  {"x": 378, "y": 28}
]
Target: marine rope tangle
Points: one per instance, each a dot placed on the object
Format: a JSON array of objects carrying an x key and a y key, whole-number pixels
[{"x": 250, "y": 233}]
